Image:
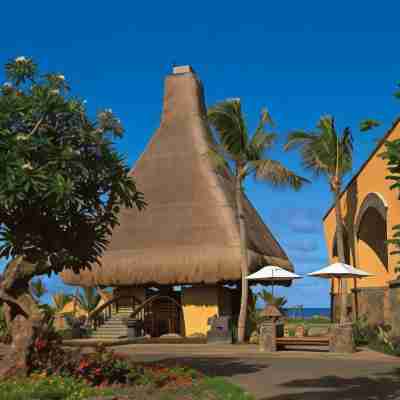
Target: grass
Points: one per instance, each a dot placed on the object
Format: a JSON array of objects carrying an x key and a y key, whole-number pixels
[
  {"x": 63, "y": 388},
  {"x": 308, "y": 321},
  {"x": 49, "y": 388}
]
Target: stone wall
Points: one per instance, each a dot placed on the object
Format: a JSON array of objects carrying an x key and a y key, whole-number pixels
[
  {"x": 380, "y": 304},
  {"x": 371, "y": 302},
  {"x": 394, "y": 301}
]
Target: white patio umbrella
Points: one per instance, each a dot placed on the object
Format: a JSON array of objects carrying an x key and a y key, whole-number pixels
[
  {"x": 273, "y": 275},
  {"x": 340, "y": 271}
]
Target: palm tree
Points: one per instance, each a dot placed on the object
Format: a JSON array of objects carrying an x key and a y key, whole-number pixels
[
  {"x": 60, "y": 300},
  {"x": 89, "y": 299},
  {"x": 269, "y": 298},
  {"x": 38, "y": 288},
  {"x": 327, "y": 153},
  {"x": 232, "y": 149}
]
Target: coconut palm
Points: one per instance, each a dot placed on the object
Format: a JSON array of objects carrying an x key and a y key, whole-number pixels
[
  {"x": 89, "y": 299},
  {"x": 233, "y": 149},
  {"x": 38, "y": 288},
  {"x": 326, "y": 152}
]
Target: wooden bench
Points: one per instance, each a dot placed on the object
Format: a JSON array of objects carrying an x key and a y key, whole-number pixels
[{"x": 303, "y": 341}]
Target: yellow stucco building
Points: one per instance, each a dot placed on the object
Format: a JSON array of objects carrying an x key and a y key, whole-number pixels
[{"x": 370, "y": 209}]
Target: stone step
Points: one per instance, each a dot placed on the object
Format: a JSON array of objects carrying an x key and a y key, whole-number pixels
[
  {"x": 111, "y": 331},
  {"x": 106, "y": 333},
  {"x": 114, "y": 327},
  {"x": 102, "y": 337}
]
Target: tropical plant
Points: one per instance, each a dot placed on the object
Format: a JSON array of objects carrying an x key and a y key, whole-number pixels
[
  {"x": 252, "y": 312},
  {"x": 60, "y": 300},
  {"x": 3, "y": 323},
  {"x": 269, "y": 298},
  {"x": 233, "y": 149},
  {"x": 38, "y": 288},
  {"x": 62, "y": 184},
  {"x": 327, "y": 153},
  {"x": 89, "y": 299}
]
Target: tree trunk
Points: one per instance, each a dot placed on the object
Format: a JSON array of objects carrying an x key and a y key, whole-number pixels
[
  {"x": 341, "y": 255},
  {"x": 24, "y": 317},
  {"x": 243, "y": 264}
]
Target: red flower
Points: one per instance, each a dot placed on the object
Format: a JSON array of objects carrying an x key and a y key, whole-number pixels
[
  {"x": 40, "y": 344},
  {"x": 83, "y": 364}
]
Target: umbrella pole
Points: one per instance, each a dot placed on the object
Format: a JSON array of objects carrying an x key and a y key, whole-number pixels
[
  {"x": 339, "y": 296},
  {"x": 355, "y": 300},
  {"x": 272, "y": 282}
]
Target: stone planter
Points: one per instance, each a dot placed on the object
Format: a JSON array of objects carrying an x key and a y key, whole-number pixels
[
  {"x": 269, "y": 331},
  {"x": 341, "y": 339}
]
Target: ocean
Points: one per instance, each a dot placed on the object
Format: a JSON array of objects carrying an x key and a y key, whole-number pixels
[{"x": 308, "y": 312}]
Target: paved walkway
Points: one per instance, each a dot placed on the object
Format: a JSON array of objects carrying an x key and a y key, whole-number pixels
[{"x": 287, "y": 375}]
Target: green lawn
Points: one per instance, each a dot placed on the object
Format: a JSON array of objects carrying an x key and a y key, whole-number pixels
[{"x": 308, "y": 321}]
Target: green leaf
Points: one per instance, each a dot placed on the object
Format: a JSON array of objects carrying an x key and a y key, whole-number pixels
[{"x": 368, "y": 124}]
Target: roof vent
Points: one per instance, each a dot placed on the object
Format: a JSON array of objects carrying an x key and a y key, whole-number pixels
[{"x": 182, "y": 69}]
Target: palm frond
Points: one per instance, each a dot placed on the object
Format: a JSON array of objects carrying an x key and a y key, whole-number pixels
[
  {"x": 38, "y": 288},
  {"x": 326, "y": 124},
  {"x": 269, "y": 298},
  {"x": 276, "y": 174},
  {"x": 368, "y": 124},
  {"x": 298, "y": 138},
  {"x": 217, "y": 159},
  {"x": 89, "y": 298},
  {"x": 321, "y": 150},
  {"x": 60, "y": 300},
  {"x": 258, "y": 144},
  {"x": 227, "y": 119},
  {"x": 346, "y": 151}
]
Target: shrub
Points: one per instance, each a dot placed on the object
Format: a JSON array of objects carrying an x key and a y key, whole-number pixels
[
  {"x": 376, "y": 337},
  {"x": 5, "y": 336},
  {"x": 363, "y": 333},
  {"x": 50, "y": 388},
  {"x": 102, "y": 367}
]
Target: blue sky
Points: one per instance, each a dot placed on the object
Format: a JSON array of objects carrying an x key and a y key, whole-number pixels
[{"x": 299, "y": 59}]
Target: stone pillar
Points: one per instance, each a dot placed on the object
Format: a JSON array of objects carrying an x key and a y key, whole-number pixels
[
  {"x": 341, "y": 339},
  {"x": 269, "y": 331}
]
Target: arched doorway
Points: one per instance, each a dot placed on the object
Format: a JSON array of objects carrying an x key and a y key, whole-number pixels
[
  {"x": 159, "y": 315},
  {"x": 371, "y": 234},
  {"x": 372, "y": 250}
]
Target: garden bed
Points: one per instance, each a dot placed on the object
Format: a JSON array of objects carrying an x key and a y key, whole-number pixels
[
  {"x": 58, "y": 373},
  {"x": 162, "y": 383}
]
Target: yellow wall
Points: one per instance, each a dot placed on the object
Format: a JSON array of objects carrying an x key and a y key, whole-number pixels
[
  {"x": 370, "y": 179},
  {"x": 199, "y": 304}
]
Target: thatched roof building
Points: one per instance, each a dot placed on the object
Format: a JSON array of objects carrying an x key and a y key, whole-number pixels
[{"x": 189, "y": 233}]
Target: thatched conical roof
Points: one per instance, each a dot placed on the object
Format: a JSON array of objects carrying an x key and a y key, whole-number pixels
[{"x": 189, "y": 232}]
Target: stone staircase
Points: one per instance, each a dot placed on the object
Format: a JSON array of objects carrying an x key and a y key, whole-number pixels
[{"x": 114, "y": 328}]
